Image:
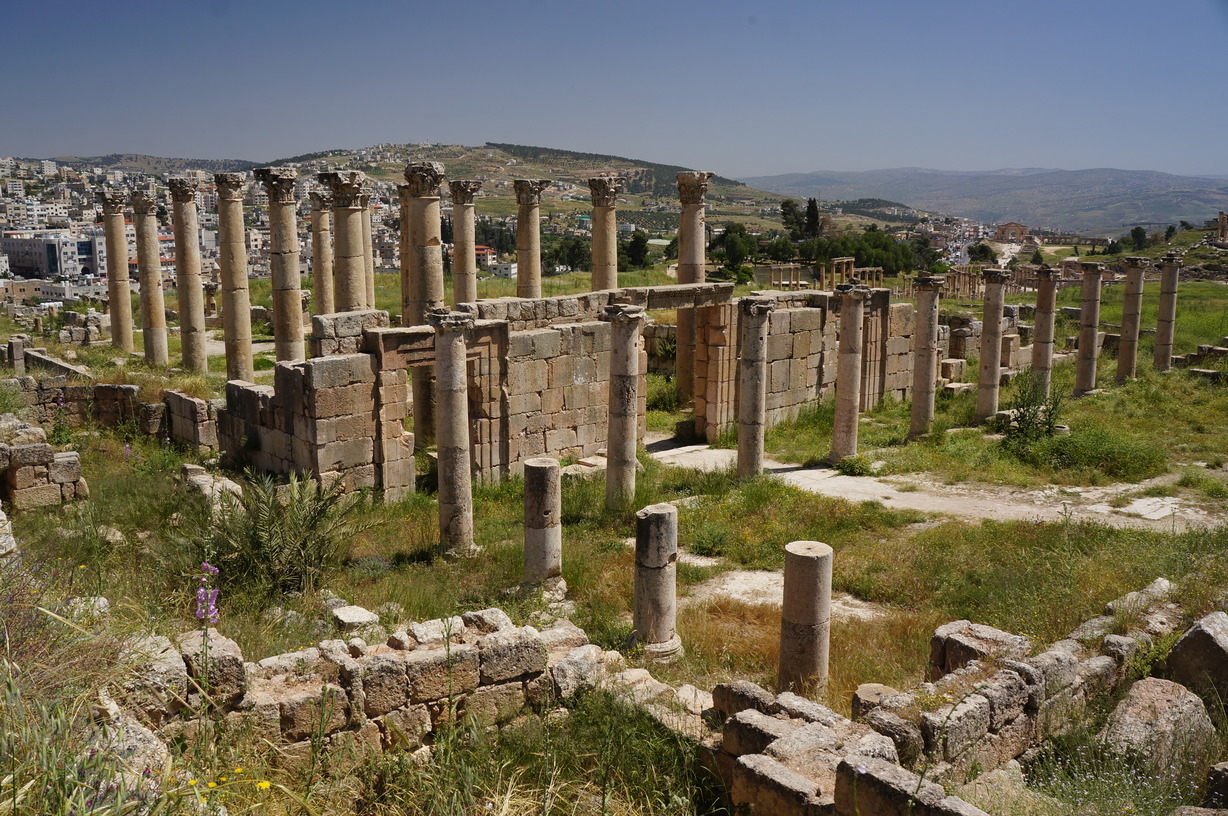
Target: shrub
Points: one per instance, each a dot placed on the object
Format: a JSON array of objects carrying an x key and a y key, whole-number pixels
[
  {"x": 1116, "y": 454},
  {"x": 858, "y": 465},
  {"x": 662, "y": 394}
]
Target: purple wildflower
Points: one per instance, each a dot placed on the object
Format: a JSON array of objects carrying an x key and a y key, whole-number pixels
[{"x": 206, "y": 595}]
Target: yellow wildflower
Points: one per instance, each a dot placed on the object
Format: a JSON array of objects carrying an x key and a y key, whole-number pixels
[{"x": 264, "y": 784}]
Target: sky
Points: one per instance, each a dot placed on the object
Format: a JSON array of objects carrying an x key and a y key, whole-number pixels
[{"x": 742, "y": 89}]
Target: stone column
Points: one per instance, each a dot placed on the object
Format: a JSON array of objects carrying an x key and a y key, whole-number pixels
[
  {"x": 605, "y": 189},
  {"x": 625, "y": 321},
  {"x": 543, "y": 527},
  {"x": 349, "y": 258},
  {"x": 210, "y": 298},
  {"x": 119, "y": 296},
  {"x": 656, "y": 568},
  {"x": 1042, "y": 330},
  {"x": 322, "y": 252},
  {"x": 752, "y": 384},
  {"x": 421, "y": 272},
  {"x": 1131, "y": 317},
  {"x": 232, "y": 265},
  {"x": 464, "y": 241},
  {"x": 528, "y": 236},
  {"x": 367, "y": 252},
  {"x": 284, "y": 261},
  {"x": 187, "y": 275},
  {"x": 1089, "y": 329},
  {"x": 990, "y": 374},
  {"x": 925, "y": 355},
  {"x": 153, "y": 303},
  {"x": 848, "y": 371},
  {"x": 452, "y": 434},
  {"x": 805, "y": 618},
  {"x": 692, "y": 252},
  {"x": 1167, "y": 318}
]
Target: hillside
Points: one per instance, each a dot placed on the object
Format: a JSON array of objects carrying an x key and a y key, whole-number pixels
[
  {"x": 1099, "y": 201},
  {"x": 154, "y": 165}
]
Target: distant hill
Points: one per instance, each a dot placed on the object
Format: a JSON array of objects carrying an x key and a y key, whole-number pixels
[
  {"x": 155, "y": 165},
  {"x": 1100, "y": 201}
]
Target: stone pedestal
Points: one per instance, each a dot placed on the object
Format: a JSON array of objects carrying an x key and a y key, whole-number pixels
[
  {"x": 692, "y": 246},
  {"x": 452, "y": 432},
  {"x": 284, "y": 261},
  {"x": 1042, "y": 328},
  {"x": 119, "y": 295},
  {"x": 656, "y": 568},
  {"x": 848, "y": 370},
  {"x": 925, "y": 355},
  {"x": 528, "y": 236},
  {"x": 322, "y": 252},
  {"x": 232, "y": 266},
  {"x": 623, "y": 414},
  {"x": 1089, "y": 329},
  {"x": 464, "y": 241},
  {"x": 149, "y": 264},
  {"x": 752, "y": 384},
  {"x": 421, "y": 271},
  {"x": 192, "y": 333},
  {"x": 990, "y": 373},
  {"x": 805, "y": 619},
  {"x": 605, "y": 190},
  {"x": 543, "y": 526},
  {"x": 1131, "y": 317},
  {"x": 349, "y": 257},
  {"x": 1166, "y": 320},
  {"x": 368, "y": 252}
]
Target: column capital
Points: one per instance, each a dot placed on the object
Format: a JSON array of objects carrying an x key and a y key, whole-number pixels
[
  {"x": 321, "y": 200},
  {"x": 757, "y": 305},
  {"x": 853, "y": 290},
  {"x": 183, "y": 189},
  {"x": 144, "y": 202},
  {"x": 529, "y": 191},
  {"x": 113, "y": 200},
  {"x": 693, "y": 186},
  {"x": 935, "y": 282},
  {"x": 1170, "y": 260},
  {"x": 1047, "y": 272},
  {"x": 605, "y": 189},
  {"x": 345, "y": 185},
  {"x": 995, "y": 275},
  {"x": 622, "y": 313},
  {"x": 443, "y": 320},
  {"x": 230, "y": 185},
  {"x": 424, "y": 178},
  {"x": 279, "y": 182},
  {"x": 463, "y": 190},
  {"x": 1092, "y": 267},
  {"x": 1137, "y": 262}
]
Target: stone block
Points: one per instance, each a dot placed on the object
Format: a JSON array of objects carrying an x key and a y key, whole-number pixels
[
  {"x": 751, "y": 731},
  {"x": 32, "y": 498},
  {"x": 406, "y": 727},
  {"x": 730, "y": 698},
  {"x": 765, "y": 787},
  {"x": 1162, "y": 725},
  {"x": 437, "y": 674},
  {"x": 309, "y": 709},
  {"x": 954, "y": 645},
  {"x": 30, "y": 455},
  {"x": 1059, "y": 669},
  {"x": 799, "y": 708},
  {"x": 496, "y": 704},
  {"x": 385, "y": 683},
  {"x": 226, "y": 678},
  {"x": 905, "y": 735},
  {"x": 511, "y": 653},
  {"x": 954, "y": 730},
  {"x": 875, "y": 786}
]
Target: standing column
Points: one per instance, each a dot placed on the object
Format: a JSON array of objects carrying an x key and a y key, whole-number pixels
[
  {"x": 605, "y": 189},
  {"x": 1167, "y": 318},
  {"x": 322, "y": 252},
  {"x": 543, "y": 527},
  {"x": 284, "y": 261},
  {"x": 848, "y": 371},
  {"x": 1131, "y": 317},
  {"x": 421, "y": 272},
  {"x": 153, "y": 304},
  {"x": 368, "y": 253},
  {"x": 805, "y": 618},
  {"x": 349, "y": 259},
  {"x": 119, "y": 296},
  {"x": 1089, "y": 329},
  {"x": 464, "y": 241},
  {"x": 692, "y": 254},
  {"x": 1042, "y": 330},
  {"x": 752, "y": 384},
  {"x": 990, "y": 374},
  {"x": 625, "y": 321},
  {"x": 925, "y": 355},
  {"x": 232, "y": 264},
  {"x": 656, "y": 568},
  {"x": 528, "y": 236},
  {"x": 452, "y": 434},
  {"x": 187, "y": 274}
]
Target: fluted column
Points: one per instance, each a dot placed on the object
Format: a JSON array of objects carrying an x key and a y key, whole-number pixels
[
  {"x": 925, "y": 356},
  {"x": 1042, "y": 329},
  {"x": 692, "y": 246},
  {"x": 1089, "y": 329},
  {"x": 1166, "y": 320},
  {"x": 232, "y": 266},
  {"x": 284, "y": 261},
  {"x": 752, "y": 384},
  {"x": 528, "y": 236},
  {"x": 119, "y": 294},
  {"x": 149, "y": 264},
  {"x": 349, "y": 257},
  {"x": 1131, "y": 317},
  {"x": 464, "y": 241},
  {"x": 452, "y": 434},
  {"x": 322, "y": 252},
  {"x": 187, "y": 275},
  {"x": 990, "y": 373},
  {"x": 848, "y": 370},
  {"x": 605, "y": 189},
  {"x": 625, "y": 321}
]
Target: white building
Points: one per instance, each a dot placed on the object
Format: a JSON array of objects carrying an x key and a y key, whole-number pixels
[{"x": 504, "y": 270}]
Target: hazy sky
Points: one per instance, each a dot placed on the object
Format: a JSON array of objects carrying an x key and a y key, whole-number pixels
[{"x": 737, "y": 88}]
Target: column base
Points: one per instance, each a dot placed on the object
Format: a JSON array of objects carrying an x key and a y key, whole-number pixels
[
  {"x": 665, "y": 651},
  {"x": 1078, "y": 392}
]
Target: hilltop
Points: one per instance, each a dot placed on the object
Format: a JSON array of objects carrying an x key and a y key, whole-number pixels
[{"x": 155, "y": 165}]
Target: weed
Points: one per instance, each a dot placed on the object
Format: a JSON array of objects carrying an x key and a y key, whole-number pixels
[{"x": 859, "y": 465}]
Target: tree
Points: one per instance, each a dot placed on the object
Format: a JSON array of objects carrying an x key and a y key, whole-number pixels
[
  {"x": 781, "y": 249},
  {"x": 1170, "y": 232},
  {"x": 982, "y": 253},
  {"x": 637, "y": 249},
  {"x": 791, "y": 217},
  {"x": 812, "y": 218},
  {"x": 671, "y": 249},
  {"x": 1138, "y": 237},
  {"x": 1038, "y": 257}
]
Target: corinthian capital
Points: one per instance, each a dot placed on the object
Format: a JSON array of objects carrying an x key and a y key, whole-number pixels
[
  {"x": 279, "y": 182},
  {"x": 757, "y": 306},
  {"x": 529, "y": 191},
  {"x": 622, "y": 313},
  {"x": 113, "y": 200},
  {"x": 443, "y": 319},
  {"x": 321, "y": 200},
  {"x": 144, "y": 202},
  {"x": 183, "y": 189},
  {"x": 463, "y": 190},
  {"x": 692, "y": 186},
  {"x": 347, "y": 186},
  {"x": 423, "y": 178},
  {"x": 230, "y": 185},
  {"x": 605, "y": 189}
]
